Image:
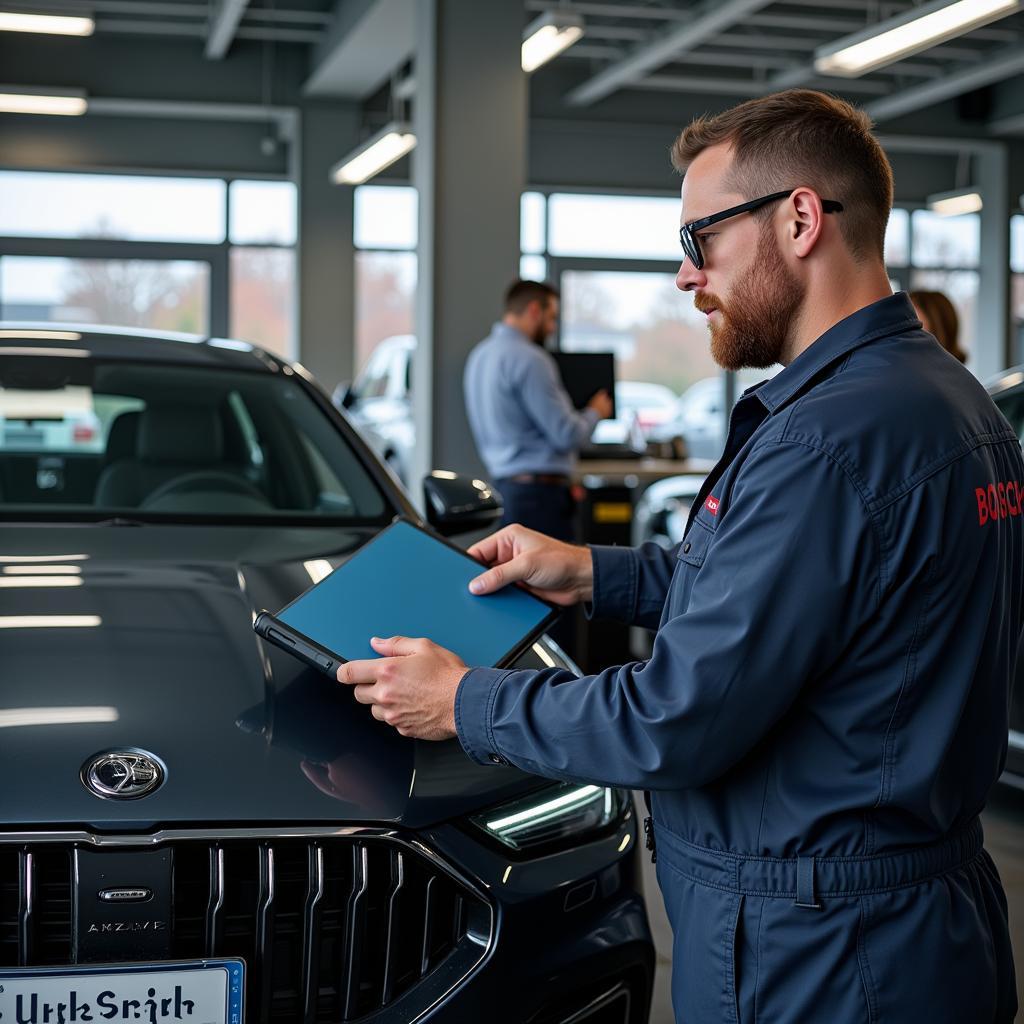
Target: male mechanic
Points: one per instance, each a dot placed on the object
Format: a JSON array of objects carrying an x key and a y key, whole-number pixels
[
  {"x": 523, "y": 422},
  {"x": 825, "y": 708}
]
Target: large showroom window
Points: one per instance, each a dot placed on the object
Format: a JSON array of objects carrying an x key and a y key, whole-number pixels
[
  {"x": 944, "y": 257},
  {"x": 385, "y": 265},
  {"x": 197, "y": 255},
  {"x": 614, "y": 258},
  {"x": 262, "y": 232},
  {"x": 167, "y": 295}
]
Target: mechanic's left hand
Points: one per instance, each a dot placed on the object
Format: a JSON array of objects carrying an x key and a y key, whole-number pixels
[{"x": 411, "y": 686}]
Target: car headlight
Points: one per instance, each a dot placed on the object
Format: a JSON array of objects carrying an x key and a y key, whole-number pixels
[{"x": 558, "y": 813}]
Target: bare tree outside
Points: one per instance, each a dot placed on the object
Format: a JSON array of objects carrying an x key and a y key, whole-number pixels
[
  {"x": 263, "y": 298},
  {"x": 385, "y": 299},
  {"x": 136, "y": 293}
]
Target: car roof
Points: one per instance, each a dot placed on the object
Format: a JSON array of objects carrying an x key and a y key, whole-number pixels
[
  {"x": 1006, "y": 380},
  {"x": 645, "y": 389},
  {"x": 137, "y": 343}
]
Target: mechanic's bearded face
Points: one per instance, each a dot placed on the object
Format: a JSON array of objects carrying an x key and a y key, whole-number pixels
[
  {"x": 751, "y": 296},
  {"x": 752, "y": 320}
]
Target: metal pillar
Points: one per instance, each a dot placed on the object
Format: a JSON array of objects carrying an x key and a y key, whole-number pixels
[
  {"x": 326, "y": 255},
  {"x": 992, "y": 348},
  {"x": 469, "y": 168}
]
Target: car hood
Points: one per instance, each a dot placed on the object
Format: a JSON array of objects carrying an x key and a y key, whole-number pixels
[{"x": 151, "y": 647}]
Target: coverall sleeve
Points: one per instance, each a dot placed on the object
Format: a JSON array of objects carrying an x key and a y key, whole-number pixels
[
  {"x": 791, "y": 573},
  {"x": 631, "y": 584},
  {"x": 547, "y": 404}
]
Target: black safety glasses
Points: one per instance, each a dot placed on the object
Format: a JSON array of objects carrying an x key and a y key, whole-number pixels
[{"x": 688, "y": 232}]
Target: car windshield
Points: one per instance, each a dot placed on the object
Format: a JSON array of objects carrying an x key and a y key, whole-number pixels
[{"x": 96, "y": 438}]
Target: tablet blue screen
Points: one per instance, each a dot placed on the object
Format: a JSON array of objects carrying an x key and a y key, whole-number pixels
[{"x": 406, "y": 583}]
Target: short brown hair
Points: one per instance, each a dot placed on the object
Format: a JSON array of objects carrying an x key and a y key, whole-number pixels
[
  {"x": 520, "y": 294},
  {"x": 802, "y": 137},
  {"x": 942, "y": 320}
]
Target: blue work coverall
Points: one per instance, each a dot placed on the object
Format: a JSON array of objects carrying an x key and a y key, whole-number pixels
[{"x": 825, "y": 708}]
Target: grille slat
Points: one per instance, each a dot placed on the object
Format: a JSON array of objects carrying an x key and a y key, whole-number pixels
[
  {"x": 215, "y": 906},
  {"x": 332, "y": 928},
  {"x": 427, "y": 943},
  {"x": 355, "y": 929},
  {"x": 26, "y": 900},
  {"x": 265, "y": 930},
  {"x": 395, "y": 896},
  {"x": 311, "y": 933}
]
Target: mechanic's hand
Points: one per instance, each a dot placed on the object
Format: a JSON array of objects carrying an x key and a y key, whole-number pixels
[
  {"x": 411, "y": 686},
  {"x": 560, "y": 573},
  {"x": 602, "y": 402}
]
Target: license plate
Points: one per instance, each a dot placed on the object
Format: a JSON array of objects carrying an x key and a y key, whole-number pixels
[
  {"x": 196, "y": 991},
  {"x": 18, "y": 437}
]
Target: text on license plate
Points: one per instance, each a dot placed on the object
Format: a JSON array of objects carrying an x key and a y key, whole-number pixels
[{"x": 197, "y": 991}]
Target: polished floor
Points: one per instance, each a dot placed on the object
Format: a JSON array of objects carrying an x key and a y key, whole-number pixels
[{"x": 1004, "y": 837}]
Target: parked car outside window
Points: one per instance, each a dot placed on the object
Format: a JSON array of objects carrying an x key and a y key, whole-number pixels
[{"x": 379, "y": 402}]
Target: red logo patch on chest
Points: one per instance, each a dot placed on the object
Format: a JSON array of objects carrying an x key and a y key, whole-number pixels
[{"x": 712, "y": 504}]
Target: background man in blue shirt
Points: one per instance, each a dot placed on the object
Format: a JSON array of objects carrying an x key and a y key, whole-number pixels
[
  {"x": 523, "y": 422},
  {"x": 825, "y": 709}
]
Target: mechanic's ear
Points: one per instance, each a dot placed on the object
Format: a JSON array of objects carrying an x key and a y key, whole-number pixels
[{"x": 806, "y": 221}]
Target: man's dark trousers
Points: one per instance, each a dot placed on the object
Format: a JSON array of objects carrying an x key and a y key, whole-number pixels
[{"x": 548, "y": 508}]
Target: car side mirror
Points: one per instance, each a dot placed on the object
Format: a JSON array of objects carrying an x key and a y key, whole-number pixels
[
  {"x": 344, "y": 395},
  {"x": 457, "y": 504}
]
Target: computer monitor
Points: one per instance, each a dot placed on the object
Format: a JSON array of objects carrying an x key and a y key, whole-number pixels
[{"x": 586, "y": 373}]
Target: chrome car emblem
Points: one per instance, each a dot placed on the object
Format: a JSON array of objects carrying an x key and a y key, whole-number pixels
[
  {"x": 125, "y": 895},
  {"x": 122, "y": 774}
]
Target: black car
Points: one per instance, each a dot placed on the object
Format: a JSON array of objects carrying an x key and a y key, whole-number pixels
[{"x": 191, "y": 815}]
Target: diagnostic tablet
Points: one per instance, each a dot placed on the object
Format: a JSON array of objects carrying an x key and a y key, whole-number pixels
[{"x": 406, "y": 582}]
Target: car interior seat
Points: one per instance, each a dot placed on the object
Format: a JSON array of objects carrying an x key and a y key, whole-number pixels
[
  {"x": 172, "y": 441},
  {"x": 122, "y": 438}
]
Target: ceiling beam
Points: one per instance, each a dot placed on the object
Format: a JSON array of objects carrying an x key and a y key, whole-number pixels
[
  {"x": 170, "y": 9},
  {"x": 283, "y": 117},
  {"x": 598, "y": 10},
  {"x": 711, "y": 20},
  {"x": 1011, "y": 125},
  {"x": 365, "y": 43},
  {"x": 692, "y": 83},
  {"x": 1001, "y": 64},
  {"x": 736, "y": 86},
  {"x": 226, "y": 16}
]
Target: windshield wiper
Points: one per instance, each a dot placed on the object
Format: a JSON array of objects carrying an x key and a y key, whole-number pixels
[{"x": 120, "y": 521}]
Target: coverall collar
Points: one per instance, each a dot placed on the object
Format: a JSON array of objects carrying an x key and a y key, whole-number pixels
[{"x": 886, "y": 316}]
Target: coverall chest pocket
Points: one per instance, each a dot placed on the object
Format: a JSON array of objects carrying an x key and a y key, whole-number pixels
[{"x": 690, "y": 557}]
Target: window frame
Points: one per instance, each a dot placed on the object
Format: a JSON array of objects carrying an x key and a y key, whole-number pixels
[{"x": 216, "y": 255}]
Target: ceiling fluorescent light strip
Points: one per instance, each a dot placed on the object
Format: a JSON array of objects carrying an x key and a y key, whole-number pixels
[
  {"x": 391, "y": 143},
  {"x": 17, "y": 100},
  {"x": 908, "y": 33},
  {"x": 54, "y": 25},
  {"x": 49, "y": 621},
  {"x": 956, "y": 203},
  {"x": 548, "y": 36}
]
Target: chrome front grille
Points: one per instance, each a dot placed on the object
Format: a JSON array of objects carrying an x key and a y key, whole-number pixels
[{"x": 331, "y": 928}]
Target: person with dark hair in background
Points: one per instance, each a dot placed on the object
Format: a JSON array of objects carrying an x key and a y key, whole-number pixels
[
  {"x": 523, "y": 422},
  {"x": 938, "y": 317},
  {"x": 825, "y": 710}
]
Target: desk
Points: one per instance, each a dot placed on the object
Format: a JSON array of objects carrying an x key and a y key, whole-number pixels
[
  {"x": 635, "y": 473},
  {"x": 610, "y": 489}
]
